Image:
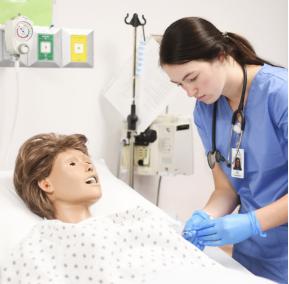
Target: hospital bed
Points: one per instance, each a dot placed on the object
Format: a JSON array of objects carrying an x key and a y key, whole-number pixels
[{"x": 16, "y": 220}]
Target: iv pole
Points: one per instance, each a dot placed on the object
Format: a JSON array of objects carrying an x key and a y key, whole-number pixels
[{"x": 132, "y": 117}]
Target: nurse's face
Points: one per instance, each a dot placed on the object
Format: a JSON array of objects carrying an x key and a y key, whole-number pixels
[
  {"x": 200, "y": 79},
  {"x": 73, "y": 179}
]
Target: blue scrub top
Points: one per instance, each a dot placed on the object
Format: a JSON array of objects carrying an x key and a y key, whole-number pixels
[{"x": 265, "y": 142}]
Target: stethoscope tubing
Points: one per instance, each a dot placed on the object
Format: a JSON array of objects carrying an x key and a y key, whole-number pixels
[{"x": 237, "y": 114}]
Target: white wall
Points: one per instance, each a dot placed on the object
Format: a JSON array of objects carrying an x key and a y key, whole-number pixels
[{"x": 70, "y": 100}]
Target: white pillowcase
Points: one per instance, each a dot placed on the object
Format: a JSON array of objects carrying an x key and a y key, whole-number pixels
[{"x": 16, "y": 219}]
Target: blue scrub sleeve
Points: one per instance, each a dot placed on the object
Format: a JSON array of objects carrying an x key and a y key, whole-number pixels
[
  {"x": 203, "y": 125},
  {"x": 278, "y": 103}
]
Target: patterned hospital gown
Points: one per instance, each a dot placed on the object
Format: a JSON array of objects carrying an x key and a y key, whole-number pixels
[{"x": 127, "y": 247}]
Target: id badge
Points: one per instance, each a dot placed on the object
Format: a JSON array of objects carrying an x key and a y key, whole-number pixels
[{"x": 237, "y": 164}]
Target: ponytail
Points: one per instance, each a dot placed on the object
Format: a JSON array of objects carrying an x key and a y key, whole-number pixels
[{"x": 241, "y": 50}]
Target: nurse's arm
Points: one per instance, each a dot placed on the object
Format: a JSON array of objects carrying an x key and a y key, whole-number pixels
[
  {"x": 224, "y": 199},
  {"x": 274, "y": 214}
]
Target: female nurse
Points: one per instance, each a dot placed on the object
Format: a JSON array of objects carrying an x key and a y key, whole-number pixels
[{"x": 240, "y": 113}]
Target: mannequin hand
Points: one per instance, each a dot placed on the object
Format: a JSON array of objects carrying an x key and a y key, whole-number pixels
[
  {"x": 189, "y": 232},
  {"x": 230, "y": 229}
]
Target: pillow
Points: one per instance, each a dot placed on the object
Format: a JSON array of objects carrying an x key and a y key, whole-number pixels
[
  {"x": 116, "y": 195},
  {"x": 16, "y": 220}
]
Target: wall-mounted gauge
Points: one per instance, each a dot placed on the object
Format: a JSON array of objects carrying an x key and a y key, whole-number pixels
[
  {"x": 24, "y": 30},
  {"x": 18, "y": 35}
]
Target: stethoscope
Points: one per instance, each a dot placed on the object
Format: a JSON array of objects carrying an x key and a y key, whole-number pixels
[{"x": 238, "y": 126}]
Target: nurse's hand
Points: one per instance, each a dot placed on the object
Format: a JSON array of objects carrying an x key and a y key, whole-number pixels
[
  {"x": 189, "y": 232},
  {"x": 230, "y": 229}
]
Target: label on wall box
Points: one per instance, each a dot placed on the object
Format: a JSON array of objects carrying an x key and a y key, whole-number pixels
[
  {"x": 45, "y": 47},
  {"x": 78, "y": 48}
]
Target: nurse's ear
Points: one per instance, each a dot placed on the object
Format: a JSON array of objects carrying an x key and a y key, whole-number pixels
[
  {"x": 222, "y": 57},
  {"x": 45, "y": 185}
]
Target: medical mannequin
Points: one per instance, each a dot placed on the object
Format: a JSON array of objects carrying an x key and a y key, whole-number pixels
[
  {"x": 55, "y": 177},
  {"x": 241, "y": 115}
]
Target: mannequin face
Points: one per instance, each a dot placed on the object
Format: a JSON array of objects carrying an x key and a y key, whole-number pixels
[
  {"x": 200, "y": 79},
  {"x": 73, "y": 180}
]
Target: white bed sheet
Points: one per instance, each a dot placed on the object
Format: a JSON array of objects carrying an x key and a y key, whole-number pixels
[{"x": 16, "y": 220}]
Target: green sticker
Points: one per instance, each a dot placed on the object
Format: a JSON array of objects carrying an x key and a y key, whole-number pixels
[{"x": 45, "y": 47}]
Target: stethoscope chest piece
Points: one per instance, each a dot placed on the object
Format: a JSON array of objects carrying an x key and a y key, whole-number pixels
[
  {"x": 211, "y": 157},
  {"x": 215, "y": 156}
]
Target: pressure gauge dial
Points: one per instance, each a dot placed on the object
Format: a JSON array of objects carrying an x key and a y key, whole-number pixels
[
  {"x": 24, "y": 30},
  {"x": 18, "y": 35}
]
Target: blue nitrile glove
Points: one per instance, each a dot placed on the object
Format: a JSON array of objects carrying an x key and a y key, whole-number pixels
[
  {"x": 230, "y": 229},
  {"x": 189, "y": 232}
]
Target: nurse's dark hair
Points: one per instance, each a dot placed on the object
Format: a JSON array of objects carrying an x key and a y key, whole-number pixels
[
  {"x": 195, "y": 38},
  {"x": 34, "y": 163}
]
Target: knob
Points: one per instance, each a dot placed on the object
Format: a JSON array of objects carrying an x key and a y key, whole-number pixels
[{"x": 23, "y": 49}]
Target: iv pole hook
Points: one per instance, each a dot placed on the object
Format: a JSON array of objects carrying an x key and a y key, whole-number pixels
[{"x": 135, "y": 22}]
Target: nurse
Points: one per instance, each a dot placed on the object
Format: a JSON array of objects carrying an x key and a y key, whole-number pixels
[{"x": 240, "y": 113}]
